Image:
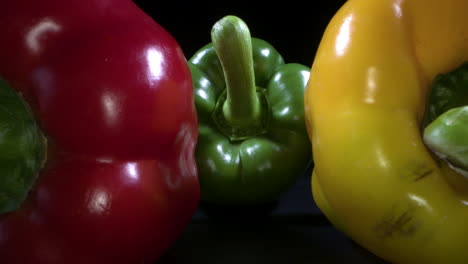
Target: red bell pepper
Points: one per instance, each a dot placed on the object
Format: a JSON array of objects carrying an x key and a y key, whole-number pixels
[{"x": 112, "y": 92}]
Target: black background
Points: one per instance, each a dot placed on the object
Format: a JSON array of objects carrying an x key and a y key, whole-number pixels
[
  {"x": 293, "y": 229},
  {"x": 294, "y": 28}
]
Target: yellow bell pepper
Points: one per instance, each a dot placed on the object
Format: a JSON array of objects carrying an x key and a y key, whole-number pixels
[{"x": 374, "y": 178}]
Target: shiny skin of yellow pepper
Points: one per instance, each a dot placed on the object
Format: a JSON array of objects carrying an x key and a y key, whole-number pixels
[{"x": 373, "y": 177}]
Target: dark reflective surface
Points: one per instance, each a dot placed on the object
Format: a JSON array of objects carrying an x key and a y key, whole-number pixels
[{"x": 292, "y": 230}]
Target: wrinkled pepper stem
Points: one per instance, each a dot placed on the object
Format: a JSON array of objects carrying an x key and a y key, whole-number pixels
[{"x": 232, "y": 41}]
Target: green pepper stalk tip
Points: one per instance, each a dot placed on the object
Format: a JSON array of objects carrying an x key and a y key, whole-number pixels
[{"x": 233, "y": 44}]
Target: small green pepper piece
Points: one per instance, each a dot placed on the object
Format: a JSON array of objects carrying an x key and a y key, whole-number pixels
[{"x": 253, "y": 143}]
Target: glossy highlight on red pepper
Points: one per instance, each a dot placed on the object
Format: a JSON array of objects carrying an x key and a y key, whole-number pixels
[{"x": 112, "y": 92}]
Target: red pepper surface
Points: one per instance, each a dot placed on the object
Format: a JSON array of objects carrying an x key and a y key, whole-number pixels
[{"x": 112, "y": 92}]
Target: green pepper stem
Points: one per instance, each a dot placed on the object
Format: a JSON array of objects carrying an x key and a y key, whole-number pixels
[
  {"x": 446, "y": 137},
  {"x": 233, "y": 44},
  {"x": 446, "y": 119}
]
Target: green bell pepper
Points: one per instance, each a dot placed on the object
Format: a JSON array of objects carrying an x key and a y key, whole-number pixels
[{"x": 253, "y": 142}]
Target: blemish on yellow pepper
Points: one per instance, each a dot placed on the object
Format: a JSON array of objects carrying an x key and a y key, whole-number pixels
[{"x": 374, "y": 178}]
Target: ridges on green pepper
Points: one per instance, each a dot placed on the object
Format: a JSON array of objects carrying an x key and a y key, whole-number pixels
[{"x": 253, "y": 142}]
